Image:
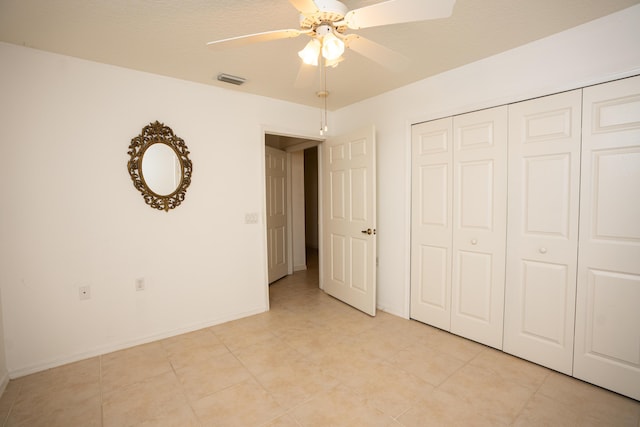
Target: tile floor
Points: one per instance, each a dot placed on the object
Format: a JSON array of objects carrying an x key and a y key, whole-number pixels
[{"x": 310, "y": 361}]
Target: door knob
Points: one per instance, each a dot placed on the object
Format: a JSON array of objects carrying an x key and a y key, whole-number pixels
[
  {"x": 368, "y": 231},
  {"x": 474, "y": 242}
]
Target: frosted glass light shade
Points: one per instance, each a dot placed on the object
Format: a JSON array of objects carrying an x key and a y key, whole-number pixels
[
  {"x": 332, "y": 47},
  {"x": 310, "y": 53}
]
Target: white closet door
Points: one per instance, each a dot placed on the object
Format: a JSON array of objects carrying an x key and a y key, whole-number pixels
[
  {"x": 607, "y": 341},
  {"x": 479, "y": 225},
  {"x": 431, "y": 217},
  {"x": 542, "y": 235}
]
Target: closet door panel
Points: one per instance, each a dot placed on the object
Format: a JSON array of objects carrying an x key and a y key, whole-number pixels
[
  {"x": 431, "y": 219},
  {"x": 542, "y": 236},
  {"x": 607, "y": 341},
  {"x": 479, "y": 225}
]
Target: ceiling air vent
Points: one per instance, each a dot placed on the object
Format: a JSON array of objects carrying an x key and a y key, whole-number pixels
[{"x": 234, "y": 80}]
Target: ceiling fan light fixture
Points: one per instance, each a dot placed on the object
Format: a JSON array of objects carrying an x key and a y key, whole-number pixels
[
  {"x": 310, "y": 53},
  {"x": 334, "y": 62},
  {"x": 332, "y": 47}
]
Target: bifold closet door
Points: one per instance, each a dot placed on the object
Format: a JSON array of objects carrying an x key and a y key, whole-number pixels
[
  {"x": 542, "y": 234},
  {"x": 607, "y": 340},
  {"x": 479, "y": 225},
  {"x": 431, "y": 214}
]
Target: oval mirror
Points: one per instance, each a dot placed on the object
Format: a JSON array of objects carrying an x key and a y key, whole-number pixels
[
  {"x": 159, "y": 166},
  {"x": 161, "y": 169}
]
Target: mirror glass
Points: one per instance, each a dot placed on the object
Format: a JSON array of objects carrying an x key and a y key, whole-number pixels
[{"x": 161, "y": 169}]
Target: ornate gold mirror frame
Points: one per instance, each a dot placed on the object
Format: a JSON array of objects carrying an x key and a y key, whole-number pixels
[{"x": 158, "y": 133}]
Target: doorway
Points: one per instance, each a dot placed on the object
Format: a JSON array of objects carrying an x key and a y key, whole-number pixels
[{"x": 300, "y": 206}]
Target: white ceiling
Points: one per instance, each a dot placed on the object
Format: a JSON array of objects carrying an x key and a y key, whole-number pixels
[{"x": 168, "y": 37}]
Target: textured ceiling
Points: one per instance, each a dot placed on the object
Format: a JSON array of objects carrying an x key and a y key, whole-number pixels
[{"x": 168, "y": 37}]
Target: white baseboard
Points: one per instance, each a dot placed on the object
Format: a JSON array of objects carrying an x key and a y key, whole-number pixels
[{"x": 300, "y": 267}]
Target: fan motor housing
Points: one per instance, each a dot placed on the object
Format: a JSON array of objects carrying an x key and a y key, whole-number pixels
[{"x": 329, "y": 11}]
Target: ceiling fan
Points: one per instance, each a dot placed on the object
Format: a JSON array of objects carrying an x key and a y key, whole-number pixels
[{"x": 327, "y": 23}]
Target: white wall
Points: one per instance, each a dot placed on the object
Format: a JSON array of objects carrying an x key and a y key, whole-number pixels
[
  {"x": 598, "y": 51},
  {"x": 71, "y": 217}
]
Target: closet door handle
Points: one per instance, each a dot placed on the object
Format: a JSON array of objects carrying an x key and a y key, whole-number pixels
[
  {"x": 542, "y": 250},
  {"x": 474, "y": 242}
]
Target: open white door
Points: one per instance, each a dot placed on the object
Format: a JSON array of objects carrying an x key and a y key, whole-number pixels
[
  {"x": 349, "y": 219},
  {"x": 276, "y": 195}
]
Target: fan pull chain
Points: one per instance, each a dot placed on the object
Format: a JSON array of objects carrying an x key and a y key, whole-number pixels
[{"x": 324, "y": 127}]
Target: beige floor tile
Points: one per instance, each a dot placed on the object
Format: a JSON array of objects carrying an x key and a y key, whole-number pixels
[
  {"x": 544, "y": 411},
  {"x": 423, "y": 361},
  {"x": 155, "y": 401},
  {"x": 211, "y": 376},
  {"x": 340, "y": 360},
  {"x": 80, "y": 380},
  {"x": 453, "y": 345},
  {"x": 123, "y": 368},
  {"x": 7, "y": 399},
  {"x": 193, "y": 348},
  {"x": 264, "y": 355},
  {"x": 292, "y": 383},
  {"x": 62, "y": 396},
  {"x": 510, "y": 368},
  {"x": 492, "y": 397},
  {"x": 339, "y": 407},
  {"x": 381, "y": 343},
  {"x": 388, "y": 388},
  {"x": 236, "y": 335},
  {"x": 283, "y": 421},
  {"x": 307, "y": 341},
  {"x": 52, "y": 410},
  {"x": 595, "y": 402},
  {"x": 244, "y": 404},
  {"x": 441, "y": 409}
]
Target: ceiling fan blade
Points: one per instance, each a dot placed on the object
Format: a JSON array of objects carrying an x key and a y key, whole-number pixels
[
  {"x": 306, "y": 75},
  {"x": 306, "y": 7},
  {"x": 376, "y": 52},
  {"x": 397, "y": 12},
  {"x": 255, "y": 38}
]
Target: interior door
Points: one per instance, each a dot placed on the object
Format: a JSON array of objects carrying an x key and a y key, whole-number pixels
[
  {"x": 607, "y": 341},
  {"x": 542, "y": 235},
  {"x": 276, "y": 195},
  {"x": 431, "y": 217},
  {"x": 349, "y": 219},
  {"x": 479, "y": 225}
]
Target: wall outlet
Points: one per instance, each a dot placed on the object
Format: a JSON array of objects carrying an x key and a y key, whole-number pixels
[
  {"x": 140, "y": 284},
  {"x": 251, "y": 218},
  {"x": 84, "y": 292}
]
